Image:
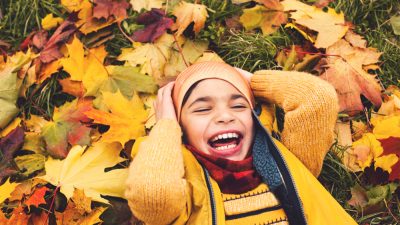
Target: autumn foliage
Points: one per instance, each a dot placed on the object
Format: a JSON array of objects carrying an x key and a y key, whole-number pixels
[{"x": 67, "y": 163}]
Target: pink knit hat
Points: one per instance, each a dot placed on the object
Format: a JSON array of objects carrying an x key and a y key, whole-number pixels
[{"x": 208, "y": 70}]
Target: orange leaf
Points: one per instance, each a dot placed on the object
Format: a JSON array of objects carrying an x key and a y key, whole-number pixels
[
  {"x": 186, "y": 13},
  {"x": 37, "y": 197}
]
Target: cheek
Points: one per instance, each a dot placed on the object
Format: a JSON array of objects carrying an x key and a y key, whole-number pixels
[{"x": 194, "y": 130}]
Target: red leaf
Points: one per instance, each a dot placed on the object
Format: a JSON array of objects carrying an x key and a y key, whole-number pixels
[
  {"x": 37, "y": 197},
  {"x": 40, "y": 39},
  {"x": 156, "y": 24},
  {"x": 51, "y": 50},
  {"x": 391, "y": 145},
  {"x": 107, "y": 8}
]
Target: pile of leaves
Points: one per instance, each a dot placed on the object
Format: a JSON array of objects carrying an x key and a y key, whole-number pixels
[{"x": 77, "y": 90}]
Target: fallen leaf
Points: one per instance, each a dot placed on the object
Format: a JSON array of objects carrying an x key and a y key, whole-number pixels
[
  {"x": 18, "y": 217},
  {"x": 39, "y": 39},
  {"x": 188, "y": 52},
  {"x": 209, "y": 56},
  {"x": 322, "y": 3},
  {"x": 37, "y": 197},
  {"x": 138, "y": 5},
  {"x": 359, "y": 197},
  {"x": 269, "y": 17},
  {"x": 38, "y": 219},
  {"x": 386, "y": 127},
  {"x": 72, "y": 87},
  {"x": 346, "y": 74},
  {"x": 51, "y": 50},
  {"x": 29, "y": 164},
  {"x": 49, "y": 21},
  {"x": 6, "y": 189},
  {"x": 82, "y": 202},
  {"x": 395, "y": 22},
  {"x": 156, "y": 24},
  {"x": 386, "y": 162},
  {"x": 391, "y": 146},
  {"x": 90, "y": 69},
  {"x": 367, "y": 149},
  {"x": 21, "y": 190},
  {"x": 355, "y": 40},
  {"x": 186, "y": 13},
  {"x": 330, "y": 25},
  {"x": 84, "y": 169},
  {"x": 150, "y": 57},
  {"x": 67, "y": 128},
  {"x": 8, "y": 146},
  {"x": 48, "y": 69},
  {"x": 126, "y": 117},
  {"x": 10, "y": 127},
  {"x": 106, "y": 8}
]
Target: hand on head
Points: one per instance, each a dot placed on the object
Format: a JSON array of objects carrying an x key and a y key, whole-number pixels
[{"x": 164, "y": 106}]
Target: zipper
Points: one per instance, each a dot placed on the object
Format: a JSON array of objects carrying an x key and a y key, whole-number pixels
[
  {"x": 286, "y": 166},
  {"x": 212, "y": 200}
]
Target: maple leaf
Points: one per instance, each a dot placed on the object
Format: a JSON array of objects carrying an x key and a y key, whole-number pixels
[
  {"x": 186, "y": 13},
  {"x": 350, "y": 80},
  {"x": 49, "y": 21},
  {"x": 126, "y": 117},
  {"x": 138, "y": 5},
  {"x": 72, "y": 87},
  {"x": 6, "y": 189},
  {"x": 156, "y": 24},
  {"x": 190, "y": 52},
  {"x": 18, "y": 217},
  {"x": 106, "y": 8},
  {"x": 51, "y": 50},
  {"x": 367, "y": 148},
  {"x": 268, "y": 17},
  {"x": 329, "y": 25},
  {"x": 8, "y": 146},
  {"x": 67, "y": 127},
  {"x": 84, "y": 169},
  {"x": 151, "y": 57},
  {"x": 90, "y": 69},
  {"x": 37, "y": 197},
  {"x": 127, "y": 79},
  {"x": 388, "y": 126}
]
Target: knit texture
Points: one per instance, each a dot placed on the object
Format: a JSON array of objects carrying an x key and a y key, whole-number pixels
[
  {"x": 155, "y": 185},
  {"x": 311, "y": 108}
]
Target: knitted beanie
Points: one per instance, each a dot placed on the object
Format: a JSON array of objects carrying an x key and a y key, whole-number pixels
[{"x": 208, "y": 70}]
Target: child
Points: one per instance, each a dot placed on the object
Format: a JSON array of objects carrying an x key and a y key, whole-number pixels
[{"x": 230, "y": 170}]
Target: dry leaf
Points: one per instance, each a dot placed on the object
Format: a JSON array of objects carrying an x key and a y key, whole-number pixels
[
  {"x": 84, "y": 169},
  {"x": 186, "y": 13},
  {"x": 126, "y": 117},
  {"x": 138, "y": 5},
  {"x": 6, "y": 189},
  {"x": 49, "y": 22}
]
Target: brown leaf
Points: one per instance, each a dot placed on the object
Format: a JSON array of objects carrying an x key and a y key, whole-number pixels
[
  {"x": 40, "y": 39},
  {"x": 72, "y": 87},
  {"x": 358, "y": 197}
]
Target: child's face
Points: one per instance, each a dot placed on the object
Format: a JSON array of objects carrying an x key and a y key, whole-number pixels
[{"x": 217, "y": 120}]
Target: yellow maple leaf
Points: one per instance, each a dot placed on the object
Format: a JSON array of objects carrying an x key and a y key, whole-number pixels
[
  {"x": 386, "y": 162},
  {"x": 6, "y": 189},
  {"x": 83, "y": 168},
  {"x": 330, "y": 25},
  {"x": 385, "y": 127},
  {"x": 150, "y": 57},
  {"x": 90, "y": 69},
  {"x": 49, "y": 21},
  {"x": 367, "y": 148},
  {"x": 138, "y": 5},
  {"x": 186, "y": 13},
  {"x": 126, "y": 117}
]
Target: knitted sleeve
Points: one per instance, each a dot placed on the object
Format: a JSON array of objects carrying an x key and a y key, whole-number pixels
[
  {"x": 311, "y": 108},
  {"x": 156, "y": 185}
]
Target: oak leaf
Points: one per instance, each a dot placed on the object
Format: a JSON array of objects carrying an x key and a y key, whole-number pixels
[
  {"x": 49, "y": 21},
  {"x": 186, "y": 13},
  {"x": 37, "y": 197},
  {"x": 126, "y": 118},
  {"x": 83, "y": 168},
  {"x": 106, "y": 8},
  {"x": 89, "y": 69},
  {"x": 268, "y": 17},
  {"x": 156, "y": 24},
  {"x": 330, "y": 25},
  {"x": 67, "y": 128},
  {"x": 138, "y": 5}
]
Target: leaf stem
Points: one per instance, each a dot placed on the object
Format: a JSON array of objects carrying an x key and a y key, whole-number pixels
[
  {"x": 180, "y": 51},
  {"x": 122, "y": 31}
]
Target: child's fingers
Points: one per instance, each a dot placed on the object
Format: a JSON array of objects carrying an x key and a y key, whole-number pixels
[{"x": 164, "y": 106}]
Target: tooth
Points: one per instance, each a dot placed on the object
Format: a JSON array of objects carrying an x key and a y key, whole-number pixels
[
  {"x": 225, "y": 136},
  {"x": 235, "y": 135},
  {"x": 230, "y": 135},
  {"x": 220, "y": 136}
]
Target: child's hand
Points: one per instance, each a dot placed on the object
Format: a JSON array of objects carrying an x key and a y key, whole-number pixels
[{"x": 164, "y": 106}]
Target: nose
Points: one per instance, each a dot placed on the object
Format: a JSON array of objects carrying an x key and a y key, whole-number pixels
[{"x": 224, "y": 116}]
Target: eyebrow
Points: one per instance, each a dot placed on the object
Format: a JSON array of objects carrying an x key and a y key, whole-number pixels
[{"x": 207, "y": 99}]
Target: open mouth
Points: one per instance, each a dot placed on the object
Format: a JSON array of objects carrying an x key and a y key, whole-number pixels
[{"x": 225, "y": 141}]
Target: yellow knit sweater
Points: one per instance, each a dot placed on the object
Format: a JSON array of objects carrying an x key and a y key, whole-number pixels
[{"x": 156, "y": 182}]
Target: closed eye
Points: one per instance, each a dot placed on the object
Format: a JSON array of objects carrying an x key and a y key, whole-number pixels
[
  {"x": 202, "y": 110},
  {"x": 239, "y": 106}
]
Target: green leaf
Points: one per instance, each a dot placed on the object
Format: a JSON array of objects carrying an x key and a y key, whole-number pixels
[
  {"x": 28, "y": 164},
  {"x": 395, "y": 22}
]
